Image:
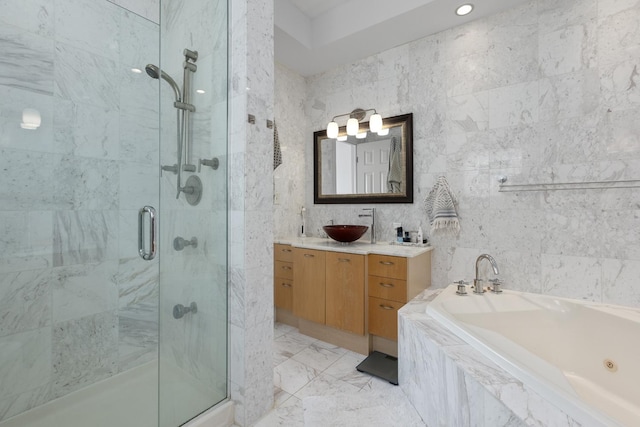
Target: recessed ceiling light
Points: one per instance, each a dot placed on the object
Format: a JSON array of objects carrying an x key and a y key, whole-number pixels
[
  {"x": 136, "y": 70},
  {"x": 200, "y": 91},
  {"x": 465, "y": 9}
]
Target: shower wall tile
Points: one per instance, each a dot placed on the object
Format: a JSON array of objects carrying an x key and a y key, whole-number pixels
[
  {"x": 26, "y": 242},
  {"x": 572, "y": 277},
  {"x": 97, "y": 21},
  {"x": 25, "y": 361},
  {"x": 138, "y": 185},
  {"x": 139, "y": 40},
  {"x": 37, "y": 192},
  {"x": 34, "y": 16},
  {"x": 148, "y": 9},
  {"x": 84, "y": 351},
  {"x": 139, "y": 95},
  {"x": 86, "y": 130},
  {"x": 139, "y": 139},
  {"x": 137, "y": 282},
  {"x": 82, "y": 237},
  {"x": 18, "y": 403},
  {"x": 84, "y": 290},
  {"x": 34, "y": 69},
  {"x": 86, "y": 78},
  {"x": 137, "y": 335},
  {"x": 12, "y": 103},
  {"x": 91, "y": 184},
  {"x": 25, "y": 301}
]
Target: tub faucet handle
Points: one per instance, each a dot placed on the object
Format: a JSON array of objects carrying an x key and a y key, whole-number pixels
[
  {"x": 462, "y": 287},
  {"x": 495, "y": 286}
]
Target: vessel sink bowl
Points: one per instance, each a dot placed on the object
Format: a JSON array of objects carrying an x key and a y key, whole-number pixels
[{"x": 345, "y": 233}]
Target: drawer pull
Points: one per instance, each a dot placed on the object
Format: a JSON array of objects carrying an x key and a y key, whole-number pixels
[
  {"x": 386, "y": 285},
  {"x": 387, "y": 263},
  {"x": 286, "y": 267},
  {"x": 309, "y": 256},
  {"x": 286, "y": 285},
  {"x": 286, "y": 250},
  {"x": 344, "y": 260},
  {"x": 386, "y": 307}
]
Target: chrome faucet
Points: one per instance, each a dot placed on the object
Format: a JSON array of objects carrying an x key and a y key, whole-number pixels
[
  {"x": 372, "y": 214},
  {"x": 477, "y": 283}
]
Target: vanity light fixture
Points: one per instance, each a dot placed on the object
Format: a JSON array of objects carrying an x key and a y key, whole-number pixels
[
  {"x": 343, "y": 138},
  {"x": 361, "y": 135},
  {"x": 353, "y": 123},
  {"x": 464, "y": 9},
  {"x": 384, "y": 132}
]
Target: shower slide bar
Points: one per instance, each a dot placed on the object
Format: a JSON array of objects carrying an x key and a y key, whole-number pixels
[{"x": 586, "y": 185}]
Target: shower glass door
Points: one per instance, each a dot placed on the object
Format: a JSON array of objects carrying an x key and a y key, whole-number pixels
[
  {"x": 193, "y": 213},
  {"x": 92, "y": 334}
]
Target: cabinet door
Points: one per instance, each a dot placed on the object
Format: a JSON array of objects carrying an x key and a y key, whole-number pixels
[
  {"x": 309, "y": 284},
  {"x": 283, "y": 293},
  {"x": 383, "y": 318},
  {"x": 345, "y": 292}
]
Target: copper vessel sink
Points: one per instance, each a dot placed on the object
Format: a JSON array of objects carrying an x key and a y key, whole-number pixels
[{"x": 345, "y": 233}]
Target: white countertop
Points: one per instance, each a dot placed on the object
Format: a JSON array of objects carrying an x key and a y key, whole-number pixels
[{"x": 360, "y": 247}]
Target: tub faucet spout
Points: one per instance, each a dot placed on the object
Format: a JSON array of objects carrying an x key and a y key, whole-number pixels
[{"x": 477, "y": 283}]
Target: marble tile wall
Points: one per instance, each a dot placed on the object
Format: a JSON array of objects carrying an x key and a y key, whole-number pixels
[
  {"x": 78, "y": 305},
  {"x": 544, "y": 92},
  {"x": 251, "y": 210}
]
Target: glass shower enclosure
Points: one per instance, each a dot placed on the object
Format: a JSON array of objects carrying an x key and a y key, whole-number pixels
[{"x": 113, "y": 211}]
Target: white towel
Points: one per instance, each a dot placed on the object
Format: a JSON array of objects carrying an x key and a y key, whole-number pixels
[{"x": 441, "y": 210}]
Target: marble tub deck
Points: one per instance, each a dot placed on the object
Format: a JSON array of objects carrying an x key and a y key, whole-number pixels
[
  {"x": 316, "y": 384},
  {"x": 451, "y": 383}
]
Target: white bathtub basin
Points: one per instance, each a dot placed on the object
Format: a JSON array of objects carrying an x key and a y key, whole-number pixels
[{"x": 583, "y": 357}]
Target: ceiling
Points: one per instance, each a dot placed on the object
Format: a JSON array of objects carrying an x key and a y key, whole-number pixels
[{"x": 312, "y": 36}]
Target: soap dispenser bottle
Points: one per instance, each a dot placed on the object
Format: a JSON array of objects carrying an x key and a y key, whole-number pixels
[{"x": 420, "y": 233}]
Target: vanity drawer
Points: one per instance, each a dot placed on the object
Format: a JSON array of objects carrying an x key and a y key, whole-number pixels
[
  {"x": 283, "y": 294},
  {"x": 383, "y": 317},
  {"x": 283, "y": 253},
  {"x": 388, "y": 266},
  {"x": 283, "y": 270},
  {"x": 386, "y": 288}
]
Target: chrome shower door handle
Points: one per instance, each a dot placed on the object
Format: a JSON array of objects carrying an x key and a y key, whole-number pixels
[{"x": 142, "y": 251}]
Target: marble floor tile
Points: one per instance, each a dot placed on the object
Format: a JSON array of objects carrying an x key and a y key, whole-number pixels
[
  {"x": 317, "y": 384},
  {"x": 289, "y": 414},
  {"x": 291, "y": 375},
  {"x": 318, "y": 357}
]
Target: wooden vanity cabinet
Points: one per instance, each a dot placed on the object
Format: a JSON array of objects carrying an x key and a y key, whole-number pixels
[
  {"x": 309, "y": 285},
  {"x": 283, "y": 276},
  {"x": 345, "y": 291},
  {"x": 392, "y": 282}
]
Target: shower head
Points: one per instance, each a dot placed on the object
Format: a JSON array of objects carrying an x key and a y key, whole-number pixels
[{"x": 154, "y": 72}]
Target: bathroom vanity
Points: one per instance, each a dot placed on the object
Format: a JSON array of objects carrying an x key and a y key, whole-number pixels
[{"x": 348, "y": 295}]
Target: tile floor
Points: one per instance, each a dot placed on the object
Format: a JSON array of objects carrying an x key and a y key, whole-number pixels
[{"x": 316, "y": 384}]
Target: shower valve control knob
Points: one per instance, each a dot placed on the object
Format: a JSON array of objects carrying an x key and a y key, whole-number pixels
[
  {"x": 180, "y": 243},
  {"x": 180, "y": 310},
  {"x": 212, "y": 163},
  {"x": 168, "y": 168}
]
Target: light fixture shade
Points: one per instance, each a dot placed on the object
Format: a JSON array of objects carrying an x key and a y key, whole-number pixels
[
  {"x": 383, "y": 132},
  {"x": 375, "y": 123},
  {"x": 352, "y": 127},
  {"x": 332, "y": 130},
  {"x": 30, "y": 119},
  {"x": 361, "y": 135},
  {"x": 343, "y": 138}
]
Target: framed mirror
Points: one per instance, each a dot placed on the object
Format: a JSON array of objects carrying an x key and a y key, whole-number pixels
[{"x": 375, "y": 169}]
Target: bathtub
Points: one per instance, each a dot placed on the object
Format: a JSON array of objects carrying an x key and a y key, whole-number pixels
[{"x": 582, "y": 357}]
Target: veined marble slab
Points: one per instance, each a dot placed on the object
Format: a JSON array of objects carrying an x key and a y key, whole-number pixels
[{"x": 357, "y": 247}]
